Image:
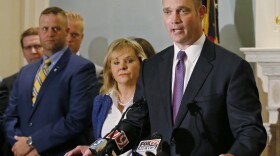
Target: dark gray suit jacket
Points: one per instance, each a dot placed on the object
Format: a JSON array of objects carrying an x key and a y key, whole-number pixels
[
  {"x": 220, "y": 110},
  {"x": 5, "y": 89}
]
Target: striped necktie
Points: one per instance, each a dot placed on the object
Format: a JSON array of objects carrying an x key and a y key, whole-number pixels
[
  {"x": 40, "y": 78},
  {"x": 178, "y": 89}
]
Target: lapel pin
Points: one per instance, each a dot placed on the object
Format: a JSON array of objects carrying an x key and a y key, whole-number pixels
[{"x": 56, "y": 68}]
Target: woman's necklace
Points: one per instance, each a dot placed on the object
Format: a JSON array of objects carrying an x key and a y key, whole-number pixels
[{"x": 124, "y": 104}]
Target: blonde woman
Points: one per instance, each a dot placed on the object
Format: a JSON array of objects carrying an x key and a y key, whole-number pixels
[{"x": 121, "y": 71}]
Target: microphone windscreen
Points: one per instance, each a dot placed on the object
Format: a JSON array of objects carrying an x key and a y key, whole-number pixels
[
  {"x": 98, "y": 145},
  {"x": 156, "y": 135},
  {"x": 148, "y": 146},
  {"x": 162, "y": 154},
  {"x": 148, "y": 153}
]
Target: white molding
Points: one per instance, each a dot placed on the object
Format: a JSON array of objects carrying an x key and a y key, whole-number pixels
[{"x": 262, "y": 54}]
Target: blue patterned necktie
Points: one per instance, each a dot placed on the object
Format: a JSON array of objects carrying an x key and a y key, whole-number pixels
[{"x": 178, "y": 89}]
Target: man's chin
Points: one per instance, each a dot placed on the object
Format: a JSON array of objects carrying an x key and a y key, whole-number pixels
[
  {"x": 49, "y": 47},
  {"x": 177, "y": 38}
]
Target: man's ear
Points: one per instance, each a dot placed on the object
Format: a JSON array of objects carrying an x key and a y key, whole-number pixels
[{"x": 201, "y": 11}]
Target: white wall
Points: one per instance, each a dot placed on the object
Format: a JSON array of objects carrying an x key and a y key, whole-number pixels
[
  {"x": 236, "y": 23},
  {"x": 267, "y": 31},
  {"x": 10, "y": 56},
  {"x": 107, "y": 20},
  {"x": 16, "y": 16}
]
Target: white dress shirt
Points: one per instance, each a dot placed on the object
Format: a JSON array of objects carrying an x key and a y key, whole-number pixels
[
  {"x": 113, "y": 117},
  {"x": 193, "y": 52}
]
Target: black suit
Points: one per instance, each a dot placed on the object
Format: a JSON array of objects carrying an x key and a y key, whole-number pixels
[
  {"x": 220, "y": 111},
  {"x": 5, "y": 90}
]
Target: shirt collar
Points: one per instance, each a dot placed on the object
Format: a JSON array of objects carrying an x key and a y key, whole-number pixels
[
  {"x": 78, "y": 53},
  {"x": 56, "y": 56},
  {"x": 193, "y": 51},
  {"x": 114, "y": 97}
]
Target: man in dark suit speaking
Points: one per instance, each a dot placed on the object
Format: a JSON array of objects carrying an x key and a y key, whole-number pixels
[
  {"x": 219, "y": 112},
  {"x": 49, "y": 108},
  {"x": 201, "y": 98}
]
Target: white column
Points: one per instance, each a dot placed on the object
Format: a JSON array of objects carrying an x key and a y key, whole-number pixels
[{"x": 31, "y": 10}]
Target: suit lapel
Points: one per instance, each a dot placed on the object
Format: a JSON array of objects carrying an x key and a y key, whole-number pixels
[
  {"x": 59, "y": 66},
  {"x": 29, "y": 81},
  {"x": 200, "y": 73},
  {"x": 165, "y": 81}
]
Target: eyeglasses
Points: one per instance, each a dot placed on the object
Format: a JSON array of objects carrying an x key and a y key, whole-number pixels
[{"x": 37, "y": 46}]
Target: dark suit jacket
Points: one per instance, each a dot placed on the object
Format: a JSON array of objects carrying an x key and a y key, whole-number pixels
[
  {"x": 61, "y": 113},
  {"x": 5, "y": 88},
  {"x": 220, "y": 110}
]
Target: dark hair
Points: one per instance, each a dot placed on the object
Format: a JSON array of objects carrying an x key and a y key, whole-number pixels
[
  {"x": 197, "y": 3},
  {"x": 56, "y": 11},
  {"x": 29, "y": 32},
  {"x": 146, "y": 46},
  {"x": 53, "y": 10}
]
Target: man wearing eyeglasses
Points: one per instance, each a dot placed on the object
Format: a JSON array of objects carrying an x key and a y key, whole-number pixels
[
  {"x": 31, "y": 46},
  {"x": 32, "y": 51}
]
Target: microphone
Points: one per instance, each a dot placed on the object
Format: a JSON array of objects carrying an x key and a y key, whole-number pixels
[
  {"x": 138, "y": 103},
  {"x": 119, "y": 138},
  {"x": 112, "y": 143},
  {"x": 116, "y": 140},
  {"x": 98, "y": 145},
  {"x": 193, "y": 108},
  {"x": 150, "y": 147},
  {"x": 148, "y": 153},
  {"x": 162, "y": 154}
]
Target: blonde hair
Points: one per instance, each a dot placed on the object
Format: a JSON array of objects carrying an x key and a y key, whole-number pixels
[
  {"x": 73, "y": 16},
  {"x": 109, "y": 82}
]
